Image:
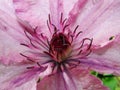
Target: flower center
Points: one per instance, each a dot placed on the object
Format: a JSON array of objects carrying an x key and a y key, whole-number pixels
[
  {"x": 60, "y": 46},
  {"x": 63, "y": 51}
]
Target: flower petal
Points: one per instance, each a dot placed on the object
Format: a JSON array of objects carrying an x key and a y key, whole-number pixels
[
  {"x": 56, "y": 9},
  {"x": 31, "y": 85},
  {"x": 14, "y": 77},
  {"x": 12, "y": 35},
  {"x": 77, "y": 9},
  {"x": 30, "y": 10},
  {"x": 77, "y": 79},
  {"x": 99, "y": 19},
  {"x": 34, "y": 11},
  {"x": 87, "y": 81},
  {"x": 105, "y": 59},
  {"x": 71, "y": 4},
  {"x": 56, "y": 82},
  {"x": 7, "y": 6}
]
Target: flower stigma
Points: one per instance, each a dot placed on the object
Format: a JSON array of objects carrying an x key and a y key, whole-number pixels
[{"x": 60, "y": 46}]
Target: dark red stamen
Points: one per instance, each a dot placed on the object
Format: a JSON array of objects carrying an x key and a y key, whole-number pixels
[
  {"x": 24, "y": 44},
  {"x": 65, "y": 27},
  {"x": 61, "y": 18},
  {"x": 78, "y": 34},
  {"x": 75, "y": 29},
  {"x": 64, "y": 21},
  {"x": 49, "y": 19},
  {"x": 28, "y": 58},
  {"x": 30, "y": 67}
]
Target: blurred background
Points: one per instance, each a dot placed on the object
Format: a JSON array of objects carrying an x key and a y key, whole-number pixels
[{"x": 111, "y": 81}]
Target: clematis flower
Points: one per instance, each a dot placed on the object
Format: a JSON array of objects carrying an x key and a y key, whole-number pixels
[{"x": 54, "y": 44}]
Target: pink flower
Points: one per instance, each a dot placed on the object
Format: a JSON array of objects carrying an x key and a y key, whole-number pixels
[{"x": 54, "y": 44}]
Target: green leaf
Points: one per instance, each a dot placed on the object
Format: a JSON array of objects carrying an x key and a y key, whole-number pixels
[
  {"x": 118, "y": 85},
  {"x": 110, "y": 82}
]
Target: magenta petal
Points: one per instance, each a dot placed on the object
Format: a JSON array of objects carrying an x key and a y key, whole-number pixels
[
  {"x": 58, "y": 81},
  {"x": 76, "y": 10},
  {"x": 87, "y": 81},
  {"x": 56, "y": 9},
  {"x": 7, "y": 6},
  {"x": 31, "y": 85},
  {"x": 77, "y": 79},
  {"x": 18, "y": 77},
  {"x": 69, "y": 3},
  {"x": 101, "y": 65},
  {"x": 11, "y": 35},
  {"x": 105, "y": 59},
  {"x": 99, "y": 19},
  {"x": 34, "y": 11}
]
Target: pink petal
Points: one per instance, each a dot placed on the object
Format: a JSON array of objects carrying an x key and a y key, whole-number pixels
[
  {"x": 105, "y": 59},
  {"x": 56, "y": 9},
  {"x": 31, "y": 85},
  {"x": 87, "y": 81},
  {"x": 8, "y": 72},
  {"x": 11, "y": 36},
  {"x": 76, "y": 9},
  {"x": 7, "y": 6},
  {"x": 56, "y": 82},
  {"x": 34, "y": 11},
  {"x": 37, "y": 11},
  {"x": 68, "y": 6},
  {"x": 77, "y": 79},
  {"x": 16, "y": 76},
  {"x": 98, "y": 19}
]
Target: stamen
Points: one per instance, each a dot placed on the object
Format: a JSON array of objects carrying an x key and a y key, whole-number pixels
[
  {"x": 55, "y": 28},
  {"x": 61, "y": 18},
  {"x": 48, "y": 42},
  {"x": 38, "y": 64},
  {"x": 42, "y": 41},
  {"x": 81, "y": 50},
  {"x": 30, "y": 40},
  {"x": 33, "y": 44},
  {"x": 75, "y": 29},
  {"x": 27, "y": 35},
  {"x": 88, "y": 53},
  {"x": 64, "y": 21},
  {"x": 30, "y": 67},
  {"x": 27, "y": 58},
  {"x": 49, "y": 27},
  {"x": 91, "y": 40},
  {"x": 65, "y": 27},
  {"x": 78, "y": 34},
  {"x": 83, "y": 41},
  {"x": 35, "y": 29},
  {"x": 71, "y": 39},
  {"x": 49, "y": 19},
  {"x": 24, "y": 44},
  {"x": 48, "y": 54}
]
